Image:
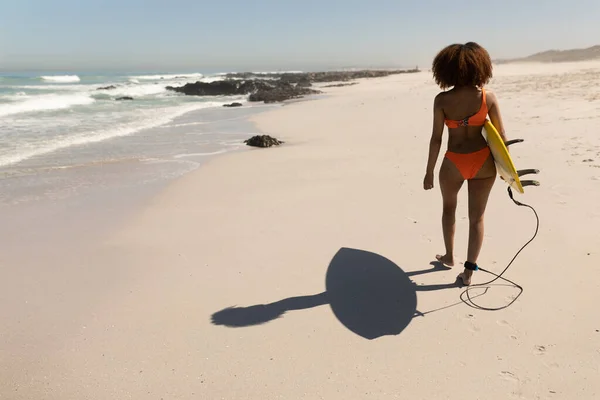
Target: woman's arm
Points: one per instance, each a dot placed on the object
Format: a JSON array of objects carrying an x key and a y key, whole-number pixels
[
  {"x": 495, "y": 115},
  {"x": 435, "y": 143}
]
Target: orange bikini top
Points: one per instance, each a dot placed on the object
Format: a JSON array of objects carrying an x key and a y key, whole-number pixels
[{"x": 474, "y": 120}]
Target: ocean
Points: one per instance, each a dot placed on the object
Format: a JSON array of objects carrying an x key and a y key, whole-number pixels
[{"x": 62, "y": 133}]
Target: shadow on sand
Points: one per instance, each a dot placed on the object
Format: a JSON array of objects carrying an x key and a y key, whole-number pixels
[{"x": 368, "y": 294}]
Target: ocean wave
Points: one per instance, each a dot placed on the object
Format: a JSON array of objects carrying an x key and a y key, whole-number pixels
[
  {"x": 185, "y": 124},
  {"x": 210, "y": 79},
  {"x": 61, "y": 78},
  {"x": 211, "y": 153},
  {"x": 133, "y": 80},
  {"x": 151, "y": 120},
  {"x": 56, "y": 88},
  {"x": 137, "y": 90},
  {"x": 19, "y": 96},
  {"x": 44, "y": 103},
  {"x": 166, "y": 77}
]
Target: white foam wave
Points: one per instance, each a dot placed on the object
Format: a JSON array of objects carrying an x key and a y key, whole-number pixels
[
  {"x": 44, "y": 103},
  {"x": 152, "y": 120},
  {"x": 19, "y": 96},
  {"x": 61, "y": 78},
  {"x": 138, "y": 90},
  {"x": 133, "y": 80},
  {"x": 187, "y": 124},
  {"x": 212, "y": 153},
  {"x": 55, "y": 88},
  {"x": 166, "y": 77},
  {"x": 210, "y": 79}
]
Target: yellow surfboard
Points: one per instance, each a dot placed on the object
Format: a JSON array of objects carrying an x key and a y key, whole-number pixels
[{"x": 504, "y": 164}]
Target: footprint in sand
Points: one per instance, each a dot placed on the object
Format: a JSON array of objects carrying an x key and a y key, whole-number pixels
[
  {"x": 503, "y": 323},
  {"x": 540, "y": 350},
  {"x": 509, "y": 376},
  {"x": 425, "y": 238},
  {"x": 474, "y": 329}
]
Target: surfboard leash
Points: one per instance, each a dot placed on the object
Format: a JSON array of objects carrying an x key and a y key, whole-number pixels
[{"x": 469, "y": 301}]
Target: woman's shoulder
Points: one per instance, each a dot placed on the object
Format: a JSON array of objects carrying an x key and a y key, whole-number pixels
[
  {"x": 441, "y": 98},
  {"x": 490, "y": 96}
]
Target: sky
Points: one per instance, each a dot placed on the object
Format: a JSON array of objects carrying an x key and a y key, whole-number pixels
[{"x": 182, "y": 35}]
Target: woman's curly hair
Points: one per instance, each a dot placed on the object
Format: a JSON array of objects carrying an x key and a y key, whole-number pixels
[{"x": 462, "y": 65}]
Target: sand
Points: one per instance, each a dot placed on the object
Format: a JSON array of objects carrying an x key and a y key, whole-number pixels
[{"x": 326, "y": 244}]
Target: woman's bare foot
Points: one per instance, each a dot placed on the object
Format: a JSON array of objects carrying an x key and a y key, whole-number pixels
[
  {"x": 465, "y": 277},
  {"x": 446, "y": 260}
]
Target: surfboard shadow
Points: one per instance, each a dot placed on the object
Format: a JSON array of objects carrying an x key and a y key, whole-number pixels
[{"x": 369, "y": 294}]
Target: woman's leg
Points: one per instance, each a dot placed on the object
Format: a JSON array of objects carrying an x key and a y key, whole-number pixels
[
  {"x": 479, "y": 193},
  {"x": 450, "y": 183}
]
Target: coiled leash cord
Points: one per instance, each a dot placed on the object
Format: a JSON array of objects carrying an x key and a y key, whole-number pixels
[{"x": 469, "y": 301}]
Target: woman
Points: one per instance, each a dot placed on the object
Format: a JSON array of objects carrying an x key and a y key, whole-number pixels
[{"x": 465, "y": 68}]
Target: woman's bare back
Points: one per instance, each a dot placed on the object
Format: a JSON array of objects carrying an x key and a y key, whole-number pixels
[{"x": 458, "y": 104}]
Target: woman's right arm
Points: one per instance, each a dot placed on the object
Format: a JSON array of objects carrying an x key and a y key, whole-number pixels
[{"x": 435, "y": 142}]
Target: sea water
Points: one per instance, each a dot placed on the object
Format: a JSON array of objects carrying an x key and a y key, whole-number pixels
[
  {"x": 75, "y": 163},
  {"x": 61, "y": 133}
]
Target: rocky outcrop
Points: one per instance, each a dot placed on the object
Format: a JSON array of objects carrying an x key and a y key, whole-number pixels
[
  {"x": 221, "y": 88},
  {"x": 259, "y": 90},
  {"x": 263, "y": 141},
  {"x": 111, "y": 87},
  {"x": 282, "y": 92},
  {"x": 124, "y": 98},
  {"x": 233, "y": 105},
  {"x": 304, "y": 83},
  {"x": 275, "y": 87},
  {"x": 322, "y": 77}
]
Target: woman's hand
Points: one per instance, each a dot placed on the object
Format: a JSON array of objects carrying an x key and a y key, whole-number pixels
[{"x": 428, "y": 181}]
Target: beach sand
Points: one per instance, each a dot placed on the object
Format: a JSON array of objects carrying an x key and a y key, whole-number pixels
[{"x": 325, "y": 246}]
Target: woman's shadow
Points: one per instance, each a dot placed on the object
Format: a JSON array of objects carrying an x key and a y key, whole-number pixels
[{"x": 367, "y": 293}]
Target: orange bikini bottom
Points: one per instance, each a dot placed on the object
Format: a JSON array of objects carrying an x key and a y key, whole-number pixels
[{"x": 469, "y": 164}]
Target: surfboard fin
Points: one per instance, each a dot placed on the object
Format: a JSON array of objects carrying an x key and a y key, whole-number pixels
[
  {"x": 522, "y": 172},
  {"x": 513, "y": 142},
  {"x": 529, "y": 183}
]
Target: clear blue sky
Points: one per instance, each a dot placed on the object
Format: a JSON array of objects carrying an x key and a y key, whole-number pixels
[{"x": 279, "y": 34}]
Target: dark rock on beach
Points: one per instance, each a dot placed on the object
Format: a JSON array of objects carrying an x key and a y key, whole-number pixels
[
  {"x": 263, "y": 141},
  {"x": 220, "y": 88},
  {"x": 304, "y": 83},
  {"x": 111, "y": 87},
  {"x": 124, "y": 98},
  {"x": 233, "y": 105},
  {"x": 282, "y": 92}
]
